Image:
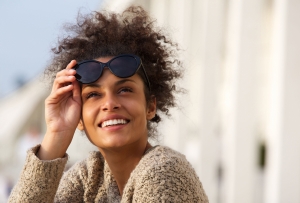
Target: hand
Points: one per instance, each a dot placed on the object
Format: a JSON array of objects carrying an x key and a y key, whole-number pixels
[{"x": 62, "y": 113}]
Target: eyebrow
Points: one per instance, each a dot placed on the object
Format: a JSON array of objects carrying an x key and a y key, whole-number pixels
[{"x": 119, "y": 82}]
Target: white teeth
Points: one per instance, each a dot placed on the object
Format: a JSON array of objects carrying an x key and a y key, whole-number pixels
[{"x": 113, "y": 122}]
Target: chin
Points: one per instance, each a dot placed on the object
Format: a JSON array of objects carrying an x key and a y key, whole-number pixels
[{"x": 113, "y": 144}]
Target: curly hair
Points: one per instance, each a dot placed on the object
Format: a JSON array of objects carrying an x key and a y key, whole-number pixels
[{"x": 101, "y": 34}]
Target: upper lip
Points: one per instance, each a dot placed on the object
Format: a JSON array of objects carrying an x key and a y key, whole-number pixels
[{"x": 111, "y": 117}]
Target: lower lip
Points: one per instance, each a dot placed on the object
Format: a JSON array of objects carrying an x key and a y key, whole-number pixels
[{"x": 113, "y": 127}]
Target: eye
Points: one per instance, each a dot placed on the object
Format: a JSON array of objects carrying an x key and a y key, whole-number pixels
[
  {"x": 125, "y": 89},
  {"x": 92, "y": 94}
]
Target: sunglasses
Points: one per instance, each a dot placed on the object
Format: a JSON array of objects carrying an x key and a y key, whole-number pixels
[{"x": 122, "y": 66}]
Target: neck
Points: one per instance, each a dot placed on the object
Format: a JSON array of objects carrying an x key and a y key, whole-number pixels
[{"x": 122, "y": 162}]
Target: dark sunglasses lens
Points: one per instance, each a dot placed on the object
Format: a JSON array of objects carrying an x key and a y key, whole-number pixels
[
  {"x": 124, "y": 66},
  {"x": 88, "y": 72}
]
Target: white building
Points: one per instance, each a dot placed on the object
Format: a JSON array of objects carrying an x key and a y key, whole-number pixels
[{"x": 243, "y": 77}]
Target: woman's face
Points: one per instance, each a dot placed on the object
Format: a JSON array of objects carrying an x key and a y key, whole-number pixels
[{"x": 114, "y": 111}]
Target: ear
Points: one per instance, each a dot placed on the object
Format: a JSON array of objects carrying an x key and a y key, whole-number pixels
[
  {"x": 151, "y": 110},
  {"x": 80, "y": 125}
]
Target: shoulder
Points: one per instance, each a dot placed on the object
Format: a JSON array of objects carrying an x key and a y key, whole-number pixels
[
  {"x": 164, "y": 174},
  {"x": 166, "y": 157}
]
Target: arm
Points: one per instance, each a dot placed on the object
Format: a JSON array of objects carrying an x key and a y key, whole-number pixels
[
  {"x": 44, "y": 181},
  {"x": 44, "y": 167},
  {"x": 39, "y": 179},
  {"x": 62, "y": 114}
]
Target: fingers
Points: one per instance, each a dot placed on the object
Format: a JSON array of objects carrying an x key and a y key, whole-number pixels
[
  {"x": 62, "y": 90},
  {"x": 71, "y": 64},
  {"x": 65, "y": 77},
  {"x": 68, "y": 70},
  {"x": 65, "y": 84}
]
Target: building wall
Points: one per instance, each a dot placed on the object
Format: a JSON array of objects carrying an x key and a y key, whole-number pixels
[{"x": 238, "y": 123}]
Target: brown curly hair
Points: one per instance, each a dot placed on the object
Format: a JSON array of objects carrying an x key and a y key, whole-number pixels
[{"x": 101, "y": 34}]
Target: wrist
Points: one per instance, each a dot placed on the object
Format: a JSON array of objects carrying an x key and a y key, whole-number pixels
[{"x": 53, "y": 146}]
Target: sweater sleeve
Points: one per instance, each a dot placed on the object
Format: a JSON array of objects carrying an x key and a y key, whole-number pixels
[
  {"x": 169, "y": 180},
  {"x": 71, "y": 187},
  {"x": 39, "y": 179}
]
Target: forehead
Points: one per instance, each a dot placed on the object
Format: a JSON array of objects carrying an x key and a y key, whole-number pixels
[{"x": 104, "y": 59}]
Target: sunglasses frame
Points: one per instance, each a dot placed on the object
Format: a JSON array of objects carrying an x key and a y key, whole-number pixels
[{"x": 107, "y": 64}]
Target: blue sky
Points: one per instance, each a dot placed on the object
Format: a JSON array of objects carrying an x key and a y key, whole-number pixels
[{"x": 28, "y": 30}]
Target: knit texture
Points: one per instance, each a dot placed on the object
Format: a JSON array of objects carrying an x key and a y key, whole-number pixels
[{"x": 162, "y": 175}]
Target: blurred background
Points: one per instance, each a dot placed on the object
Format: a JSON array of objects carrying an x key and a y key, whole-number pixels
[{"x": 238, "y": 124}]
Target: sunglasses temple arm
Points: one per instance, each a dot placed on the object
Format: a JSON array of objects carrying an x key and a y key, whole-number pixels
[{"x": 148, "y": 81}]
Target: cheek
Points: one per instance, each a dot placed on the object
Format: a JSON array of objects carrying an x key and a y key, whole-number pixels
[
  {"x": 89, "y": 113},
  {"x": 138, "y": 110}
]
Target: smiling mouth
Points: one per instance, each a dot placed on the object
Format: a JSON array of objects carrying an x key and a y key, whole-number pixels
[{"x": 113, "y": 122}]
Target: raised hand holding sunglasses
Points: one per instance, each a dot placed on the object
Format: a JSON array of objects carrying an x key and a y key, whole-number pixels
[{"x": 62, "y": 113}]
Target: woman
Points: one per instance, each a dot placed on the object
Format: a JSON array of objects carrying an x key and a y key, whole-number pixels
[{"x": 120, "y": 79}]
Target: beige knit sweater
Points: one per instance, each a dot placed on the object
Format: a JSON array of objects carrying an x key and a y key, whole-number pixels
[{"x": 162, "y": 175}]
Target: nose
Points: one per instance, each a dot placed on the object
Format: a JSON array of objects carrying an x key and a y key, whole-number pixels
[{"x": 110, "y": 102}]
